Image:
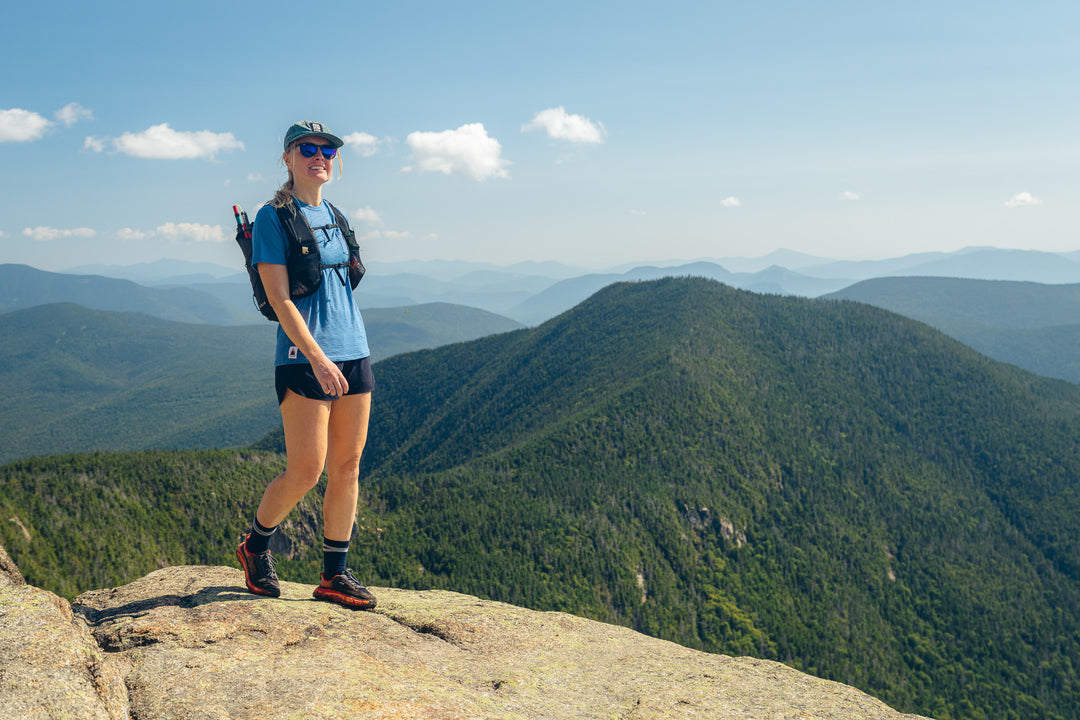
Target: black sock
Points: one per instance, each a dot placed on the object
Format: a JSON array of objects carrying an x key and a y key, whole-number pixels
[
  {"x": 259, "y": 539},
  {"x": 334, "y": 553}
]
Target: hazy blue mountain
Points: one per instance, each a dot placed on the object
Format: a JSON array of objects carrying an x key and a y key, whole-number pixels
[
  {"x": 1052, "y": 351},
  {"x": 999, "y": 303},
  {"x": 789, "y": 259},
  {"x": 995, "y": 264},
  {"x": 403, "y": 329},
  {"x": 234, "y": 291},
  {"x": 162, "y": 271},
  {"x": 22, "y": 286},
  {"x": 972, "y": 262},
  {"x": 1032, "y": 325},
  {"x": 455, "y": 269},
  {"x": 566, "y": 294},
  {"x": 779, "y": 280},
  {"x": 863, "y": 269},
  {"x": 486, "y": 289}
]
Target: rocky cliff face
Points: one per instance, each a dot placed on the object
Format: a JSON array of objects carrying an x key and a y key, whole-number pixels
[{"x": 189, "y": 643}]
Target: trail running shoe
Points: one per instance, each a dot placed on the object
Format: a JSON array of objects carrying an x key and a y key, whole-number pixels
[
  {"x": 344, "y": 589},
  {"x": 259, "y": 573}
]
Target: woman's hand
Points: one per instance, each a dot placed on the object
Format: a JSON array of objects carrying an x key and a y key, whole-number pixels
[
  {"x": 330, "y": 378},
  {"x": 276, "y": 282}
]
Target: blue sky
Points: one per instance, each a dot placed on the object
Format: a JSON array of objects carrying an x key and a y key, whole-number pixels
[{"x": 591, "y": 133}]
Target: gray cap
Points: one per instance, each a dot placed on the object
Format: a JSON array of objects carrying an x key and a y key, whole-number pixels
[{"x": 307, "y": 128}]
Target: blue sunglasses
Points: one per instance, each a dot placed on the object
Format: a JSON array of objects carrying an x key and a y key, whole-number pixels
[{"x": 309, "y": 150}]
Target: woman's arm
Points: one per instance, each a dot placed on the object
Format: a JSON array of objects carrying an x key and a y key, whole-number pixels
[{"x": 275, "y": 280}]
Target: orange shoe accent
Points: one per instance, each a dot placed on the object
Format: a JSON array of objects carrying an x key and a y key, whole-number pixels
[
  {"x": 243, "y": 556},
  {"x": 344, "y": 590}
]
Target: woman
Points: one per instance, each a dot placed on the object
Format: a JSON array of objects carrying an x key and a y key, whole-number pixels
[{"x": 323, "y": 376}]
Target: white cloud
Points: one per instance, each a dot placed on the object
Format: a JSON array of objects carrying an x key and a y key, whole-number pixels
[
  {"x": 849, "y": 195},
  {"x": 365, "y": 144},
  {"x": 73, "y": 113},
  {"x": 255, "y": 177},
  {"x": 638, "y": 213},
  {"x": 367, "y": 215},
  {"x": 18, "y": 125},
  {"x": 1022, "y": 199},
  {"x": 45, "y": 234},
  {"x": 731, "y": 202},
  {"x": 94, "y": 144},
  {"x": 130, "y": 234},
  {"x": 387, "y": 235},
  {"x": 466, "y": 151},
  {"x": 161, "y": 142},
  {"x": 191, "y": 232},
  {"x": 561, "y": 125}
]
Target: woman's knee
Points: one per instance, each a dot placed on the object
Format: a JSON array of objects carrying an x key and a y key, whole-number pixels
[
  {"x": 344, "y": 469},
  {"x": 301, "y": 477}
]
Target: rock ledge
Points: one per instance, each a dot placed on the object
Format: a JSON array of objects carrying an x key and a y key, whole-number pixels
[{"x": 190, "y": 643}]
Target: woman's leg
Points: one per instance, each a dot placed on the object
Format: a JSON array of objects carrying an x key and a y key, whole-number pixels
[
  {"x": 345, "y": 438},
  {"x": 305, "y": 422}
]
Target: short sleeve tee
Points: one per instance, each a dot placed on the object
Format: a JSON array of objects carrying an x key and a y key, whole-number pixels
[{"x": 330, "y": 312}]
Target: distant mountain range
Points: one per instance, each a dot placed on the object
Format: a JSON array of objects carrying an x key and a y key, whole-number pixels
[
  {"x": 816, "y": 481},
  {"x": 1043, "y": 334},
  {"x": 22, "y": 286},
  {"x": 533, "y": 292},
  {"x": 974, "y": 263},
  {"x": 1033, "y": 325}
]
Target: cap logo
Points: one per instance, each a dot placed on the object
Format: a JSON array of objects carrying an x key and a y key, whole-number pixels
[{"x": 317, "y": 127}]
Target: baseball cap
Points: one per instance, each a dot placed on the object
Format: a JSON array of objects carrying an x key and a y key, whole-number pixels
[{"x": 307, "y": 128}]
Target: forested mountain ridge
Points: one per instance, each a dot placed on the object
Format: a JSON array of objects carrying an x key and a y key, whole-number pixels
[
  {"x": 820, "y": 482},
  {"x": 814, "y": 480},
  {"x": 78, "y": 379}
]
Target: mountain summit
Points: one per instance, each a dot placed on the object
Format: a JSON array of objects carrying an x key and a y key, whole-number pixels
[{"x": 815, "y": 481}]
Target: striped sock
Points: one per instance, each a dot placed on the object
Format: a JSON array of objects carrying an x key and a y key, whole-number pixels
[
  {"x": 334, "y": 553},
  {"x": 259, "y": 539}
]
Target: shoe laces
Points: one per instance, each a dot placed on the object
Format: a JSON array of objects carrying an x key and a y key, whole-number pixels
[
  {"x": 264, "y": 563},
  {"x": 350, "y": 580}
]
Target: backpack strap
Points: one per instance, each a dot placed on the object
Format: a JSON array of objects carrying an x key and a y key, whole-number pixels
[
  {"x": 302, "y": 256},
  {"x": 355, "y": 265}
]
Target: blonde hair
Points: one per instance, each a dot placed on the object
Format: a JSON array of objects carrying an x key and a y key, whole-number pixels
[{"x": 284, "y": 195}]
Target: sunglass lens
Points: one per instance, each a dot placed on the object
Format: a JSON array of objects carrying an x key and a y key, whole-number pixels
[{"x": 309, "y": 150}]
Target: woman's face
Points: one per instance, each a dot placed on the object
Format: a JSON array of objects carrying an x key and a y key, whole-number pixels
[{"x": 312, "y": 170}]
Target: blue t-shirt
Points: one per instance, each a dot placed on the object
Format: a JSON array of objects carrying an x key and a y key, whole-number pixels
[{"x": 331, "y": 315}]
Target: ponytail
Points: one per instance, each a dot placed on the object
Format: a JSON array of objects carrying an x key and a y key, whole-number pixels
[{"x": 284, "y": 195}]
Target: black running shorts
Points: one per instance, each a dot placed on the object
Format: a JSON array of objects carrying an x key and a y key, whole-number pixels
[{"x": 300, "y": 378}]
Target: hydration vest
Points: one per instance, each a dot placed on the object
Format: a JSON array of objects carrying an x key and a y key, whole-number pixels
[{"x": 303, "y": 260}]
